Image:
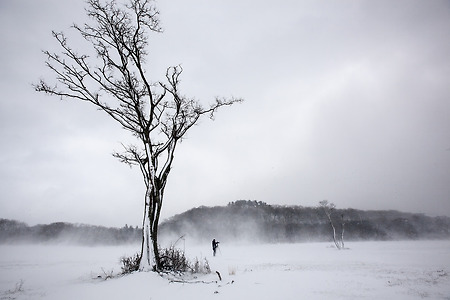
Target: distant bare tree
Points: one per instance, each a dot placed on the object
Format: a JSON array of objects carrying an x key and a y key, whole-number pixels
[
  {"x": 328, "y": 209},
  {"x": 116, "y": 82}
]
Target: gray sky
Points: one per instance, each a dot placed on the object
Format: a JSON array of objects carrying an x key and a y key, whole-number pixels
[{"x": 347, "y": 101}]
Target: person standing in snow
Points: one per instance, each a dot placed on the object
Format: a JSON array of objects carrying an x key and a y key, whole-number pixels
[{"x": 214, "y": 246}]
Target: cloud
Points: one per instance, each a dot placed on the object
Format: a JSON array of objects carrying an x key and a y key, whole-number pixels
[{"x": 343, "y": 101}]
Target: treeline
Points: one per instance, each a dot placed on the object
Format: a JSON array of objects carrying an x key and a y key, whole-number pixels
[
  {"x": 256, "y": 221},
  {"x": 60, "y": 232},
  {"x": 249, "y": 221}
]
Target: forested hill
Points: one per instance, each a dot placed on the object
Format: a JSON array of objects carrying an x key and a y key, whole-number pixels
[
  {"x": 256, "y": 221},
  {"x": 249, "y": 221}
]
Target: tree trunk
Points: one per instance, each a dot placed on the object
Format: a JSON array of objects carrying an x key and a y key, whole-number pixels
[
  {"x": 154, "y": 223},
  {"x": 342, "y": 232},
  {"x": 334, "y": 235},
  {"x": 150, "y": 259},
  {"x": 147, "y": 261}
]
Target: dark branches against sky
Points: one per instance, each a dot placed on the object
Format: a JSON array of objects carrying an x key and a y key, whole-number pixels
[{"x": 116, "y": 82}]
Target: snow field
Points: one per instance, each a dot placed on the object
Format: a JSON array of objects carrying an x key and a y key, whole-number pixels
[{"x": 369, "y": 270}]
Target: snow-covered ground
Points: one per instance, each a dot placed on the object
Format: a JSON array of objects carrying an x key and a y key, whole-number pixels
[{"x": 368, "y": 270}]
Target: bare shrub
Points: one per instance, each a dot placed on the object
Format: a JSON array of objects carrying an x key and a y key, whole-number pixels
[
  {"x": 130, "y": 263},
  {"x": 173, "y": 260},
  {"x": 201, "y": 267},
  {"x": 107, "y": 274}
]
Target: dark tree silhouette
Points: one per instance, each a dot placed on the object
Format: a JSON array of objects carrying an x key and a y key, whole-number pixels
[{"x": 115, "y": 81}]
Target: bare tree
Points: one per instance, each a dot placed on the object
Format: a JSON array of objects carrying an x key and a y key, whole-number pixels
[
  {"x": 116, "y": 82},
  {"x": 328, "y": 209}
]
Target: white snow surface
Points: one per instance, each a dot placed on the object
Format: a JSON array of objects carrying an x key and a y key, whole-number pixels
[{"x": 367, "y": 270}]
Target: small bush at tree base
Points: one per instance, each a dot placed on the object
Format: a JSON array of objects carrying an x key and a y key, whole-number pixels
[
  {"x": 172, "y": 260},
  {"x": 130, "y": 263}
]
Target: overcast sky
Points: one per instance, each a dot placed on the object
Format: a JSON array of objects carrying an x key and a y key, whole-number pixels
[{"x": 347, "y": 101}]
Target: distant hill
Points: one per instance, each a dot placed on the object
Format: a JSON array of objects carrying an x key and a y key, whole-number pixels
[
  {"x": 249, "y": 221},
  {"x": 17, "y": 232},
  {"x": 256, "y": 221}
]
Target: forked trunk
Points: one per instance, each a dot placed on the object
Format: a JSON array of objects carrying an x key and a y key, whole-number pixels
[{"x": 150, "y": 260}]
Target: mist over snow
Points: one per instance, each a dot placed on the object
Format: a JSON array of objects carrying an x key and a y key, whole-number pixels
[
  {"x": 345, "y": 101},
  {"x": 242, "y": 222},
  {"x": 373, "y": 270}
]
